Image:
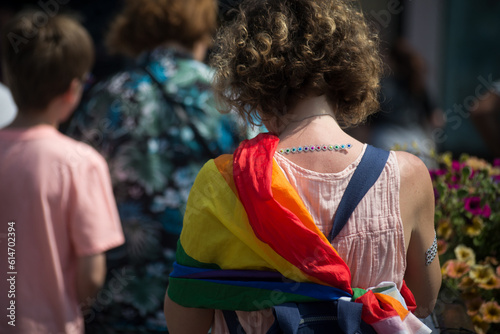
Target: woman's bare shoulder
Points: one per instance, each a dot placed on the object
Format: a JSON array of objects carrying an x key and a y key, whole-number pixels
[
  {"x": 411, "y": 167},
  {"x": 416, "y": 191}
]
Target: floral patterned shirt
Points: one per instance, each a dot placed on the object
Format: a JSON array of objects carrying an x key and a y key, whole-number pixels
[{"x": 153, "y": 156}]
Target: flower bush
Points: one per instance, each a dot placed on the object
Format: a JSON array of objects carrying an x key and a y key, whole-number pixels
[{"x": 468, "y": 229}]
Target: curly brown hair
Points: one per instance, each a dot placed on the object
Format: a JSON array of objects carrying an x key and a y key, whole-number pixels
[
  {"x": 274, "y": 53},
  {"x": 144, "y": 25}
]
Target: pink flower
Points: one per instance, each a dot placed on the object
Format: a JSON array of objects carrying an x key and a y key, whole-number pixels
[
  {"x": 457, "y": 166},
  {"x": 437, "y": 172},
  {"x": 455, "y": 268},
  {"x": 496, "y": 162},
  {"x": 473, "y": 205},
  {"x": 486, "y": 211},
  {"x": 443, "y": 246},
  {"x": 454, "y": 182}
]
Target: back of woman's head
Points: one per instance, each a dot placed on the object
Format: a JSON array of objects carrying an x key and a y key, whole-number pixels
[
  {"x": 273, "y": 53},
  {"x": 144, "y": 25}
]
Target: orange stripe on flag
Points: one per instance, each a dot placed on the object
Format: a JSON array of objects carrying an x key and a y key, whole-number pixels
[{"x": 394, "y": 303}]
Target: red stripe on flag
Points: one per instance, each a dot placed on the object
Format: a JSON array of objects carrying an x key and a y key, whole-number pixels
[{"x": 277, "y": 226}]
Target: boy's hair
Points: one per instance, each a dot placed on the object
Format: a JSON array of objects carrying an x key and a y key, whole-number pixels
[
  {"x": 41, "y": 55},
  {"x": 144, "y": 25},
  {"x": 274, "y": 53}
]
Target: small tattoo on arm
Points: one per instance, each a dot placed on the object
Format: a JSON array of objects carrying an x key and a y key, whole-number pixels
[{"x": 431, "y": 253}]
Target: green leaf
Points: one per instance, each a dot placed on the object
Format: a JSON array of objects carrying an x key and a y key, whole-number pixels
[
  {"x": 495, "y": 217},
  {"x": 462, "y": 193},
  {"x": 441, "y": 188},
  {"x": 458, "y": 220},
  {"x": 438, "y": 214},
  {"x": 466, "y": 171},
  {"x": 477, "y": 242}
]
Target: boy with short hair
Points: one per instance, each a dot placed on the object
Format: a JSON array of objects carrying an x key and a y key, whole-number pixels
[{"x": 57, "y": 211}]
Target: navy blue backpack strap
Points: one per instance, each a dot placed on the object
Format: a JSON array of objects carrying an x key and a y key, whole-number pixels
[
  {"x": 366, "y": 174},
  {"x": 338, "y": 316},
  {"x": 287, "y": 319},
  {"x": 349, "y": 316}
]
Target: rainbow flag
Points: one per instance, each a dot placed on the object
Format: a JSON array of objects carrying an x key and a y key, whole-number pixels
[{"x": 248, "y": 243}]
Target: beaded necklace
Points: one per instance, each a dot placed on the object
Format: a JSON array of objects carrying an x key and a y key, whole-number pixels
[{"x": 314, "y": 148}]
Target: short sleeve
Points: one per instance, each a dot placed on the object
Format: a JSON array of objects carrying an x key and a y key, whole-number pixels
[{"x": 94, "y": 223}]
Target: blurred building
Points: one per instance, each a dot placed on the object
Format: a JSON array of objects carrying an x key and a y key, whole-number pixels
[{"x": 459, "y": 42}]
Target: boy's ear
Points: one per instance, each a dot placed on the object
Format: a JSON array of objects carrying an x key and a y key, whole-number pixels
[
  {"x": 74, "y": 92},
  {"x": 70, "y": 99}
]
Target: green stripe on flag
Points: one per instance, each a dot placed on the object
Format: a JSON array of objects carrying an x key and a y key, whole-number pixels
[{"x": 204, "y": 294}]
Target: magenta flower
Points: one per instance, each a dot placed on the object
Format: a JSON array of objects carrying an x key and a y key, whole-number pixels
[
  {"x": 437, "y": 172},
  {"x": 486, "y": 211},
  {"x": 454, "y": 182},
  {"x": 473, "y": 205},
  {"x": 457, "y": 166},
  {"x": 496, "y": 162}
]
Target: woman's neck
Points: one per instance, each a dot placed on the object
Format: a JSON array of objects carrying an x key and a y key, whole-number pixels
[
  {"x": 310, "y": 106},
  {"x": 312, "y": 122},
  {"x": 308, "y": 112}
]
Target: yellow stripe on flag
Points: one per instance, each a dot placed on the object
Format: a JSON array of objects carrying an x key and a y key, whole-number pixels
[{"x": 216, "y": 229}]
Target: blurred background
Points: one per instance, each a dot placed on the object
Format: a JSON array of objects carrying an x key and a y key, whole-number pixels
[
  {"x": 458, "y": 43},
  {"x": 442, "y": 56}
]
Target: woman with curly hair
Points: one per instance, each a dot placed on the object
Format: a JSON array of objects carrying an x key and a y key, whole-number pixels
[{"x": 304, "y": 217}]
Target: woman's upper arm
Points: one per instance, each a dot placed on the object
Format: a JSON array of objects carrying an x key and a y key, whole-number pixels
[
  {"x": 417, "y": 212},
  {"x": 187, "y": 320}
]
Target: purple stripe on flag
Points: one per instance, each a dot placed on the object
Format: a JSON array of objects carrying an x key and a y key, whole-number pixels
[{"x": 239, "y": 275}]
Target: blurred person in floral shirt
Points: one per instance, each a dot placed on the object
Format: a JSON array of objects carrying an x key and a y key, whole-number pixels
[{"x": 156, "y": 125}]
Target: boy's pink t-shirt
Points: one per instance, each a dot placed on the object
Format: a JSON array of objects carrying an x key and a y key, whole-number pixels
[{"x": 58, "y": 193}]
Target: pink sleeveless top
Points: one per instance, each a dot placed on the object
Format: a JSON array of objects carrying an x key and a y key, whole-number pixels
[{"x": 371, "y": 243}]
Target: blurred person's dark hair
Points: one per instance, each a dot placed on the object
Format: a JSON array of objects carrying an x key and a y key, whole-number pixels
[
  {"x": 7, "y": 11},
  {"x": 40, "y": 66},
  {"x": 144, "y": 25},
  {"x": 407, "y": 66}
]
